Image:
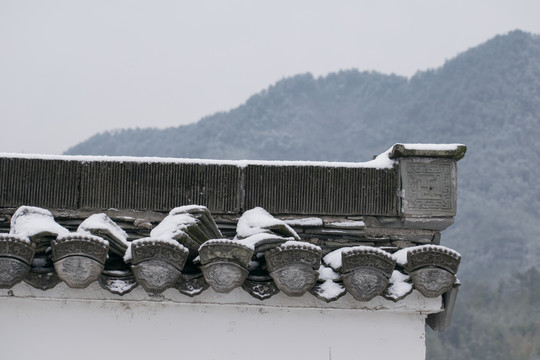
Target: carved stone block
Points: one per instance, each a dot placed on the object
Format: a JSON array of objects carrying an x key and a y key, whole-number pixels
[{"x": 428, "y": 187}]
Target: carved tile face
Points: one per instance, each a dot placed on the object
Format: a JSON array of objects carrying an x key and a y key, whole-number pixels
[
  {"x": 155, "y": 276},
  {"x": 42, "y": 281},
  {"x": 223, "y": 276},
  {"x": 78, "y": 271},
  {"x": 295, "y": 279},
  {"x": 365, "y": 284},
  {"x": 119, "y": 286},
  {"x": 432, "y": 281},
  {"x": 428, "y": 187},
  {"x": 12, "y": 271},
  {"x": 261, "y": 290},
  {"x": 191, "y": 286}
]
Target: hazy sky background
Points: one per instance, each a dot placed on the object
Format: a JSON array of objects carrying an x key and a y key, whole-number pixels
[{"x": 70, "y": 69}]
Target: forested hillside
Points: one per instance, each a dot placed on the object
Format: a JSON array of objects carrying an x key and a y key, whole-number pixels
[{"x": 487, "y": 98}]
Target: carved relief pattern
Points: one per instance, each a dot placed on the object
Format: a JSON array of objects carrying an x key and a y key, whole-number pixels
[
  {"x": 96, "y": 250},
  {"x": 42, "y": 281},
  {"x": 295, "y": 279},
  {"x": 365, "y": 284},
  {"x": 165, "y": 252},
  {"x": 191, "y": 286},
  {"x": 276, "y": 258},
  {"x": 224, "y": 252},
  {"x": 223, "y": 276},
  {"x": 427, "y": 258},
  {"x": 119, "y": 286},
  {"x": 155, "y": 276},
  {"x": 78, "y": 271},
  {"x": 432, "y": 282},
  {"x": 16, "y": 249},
  {"x": 261, "y": 290},
  {"x": 375, "y": 261},
  {"x": 12, "y": 271},
  {"x": 428, "y": 187}
]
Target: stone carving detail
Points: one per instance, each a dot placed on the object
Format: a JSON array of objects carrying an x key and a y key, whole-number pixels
[
  {"x": 12, "y": 271},
  {"x": 155, "y": 276},
  {"x": 428, "y": 187},
  {"x": 365, "y": 271},
  {"x": 16, "y": 254},
  {"x": 224, "y": 264},
  {"x": 432, "y": 269},
  {"x": 260, "y": 289},
  {"x": 118, "y": 284},
  {"x": 42, "y": 280},
  {"x": 42, "y": 274},
  {"x": 78, "y": 271},
  {"x": 295, "y": 279},
  {"x": 432, "y": 281},
  {"x": 293, "y": 267},
  {"x": 191, "y": 284},
  {"x": 365, "y": 284},
  {"x": 224, "y": 276},
  {"x": 157, "y": 264},
  {"x": 79, "y": 259}
]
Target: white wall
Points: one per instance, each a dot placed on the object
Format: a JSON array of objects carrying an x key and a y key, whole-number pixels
[{"x": 54, "y": 325}]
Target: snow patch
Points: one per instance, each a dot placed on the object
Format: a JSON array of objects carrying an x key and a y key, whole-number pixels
[
  {"x": 330, "y": 290},
  {"x": 307, "y": 222},
  {"x": 438, "y": 147},
  {"x": 172, "y": 226},
  {"x": 262, "y": 238},
  {"x": 326, "y": 273},
  {"x": 399, "y": 285},
  {"x": 292, "y": 243},
  {"x": 30, "y": 221},
  {"x": 401, "y": 255},
  {"x": 348, "y": 224},
  {"x": 333, "y": 259},
  {"x": 258, "y": 220},
  {"x": 101, "y": 222},
  {"x": 382, "y": 161},
  {"x": 13, "y": 236}
]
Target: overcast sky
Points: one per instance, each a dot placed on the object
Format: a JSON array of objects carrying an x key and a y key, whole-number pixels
[{"x": 70, "y": 69}]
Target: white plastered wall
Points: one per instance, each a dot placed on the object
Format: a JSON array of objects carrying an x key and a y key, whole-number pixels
[{"x": 63, "y": 323}]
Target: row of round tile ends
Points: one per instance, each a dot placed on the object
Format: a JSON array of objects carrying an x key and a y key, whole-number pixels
[{"x": 293, "y": 268}]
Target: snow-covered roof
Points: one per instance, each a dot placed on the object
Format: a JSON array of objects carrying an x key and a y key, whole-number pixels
[{"x": 335, "y": 226}]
